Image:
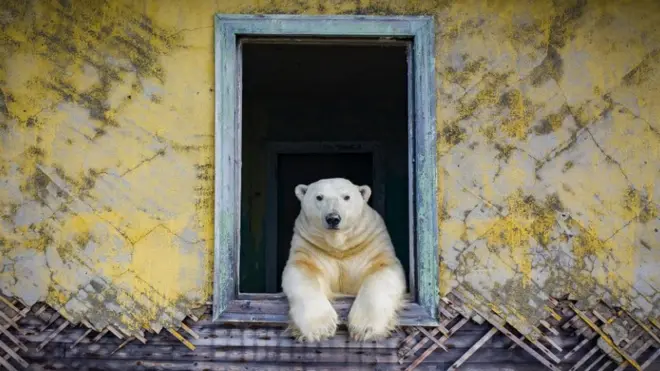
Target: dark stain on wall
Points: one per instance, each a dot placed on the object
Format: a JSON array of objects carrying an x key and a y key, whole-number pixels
[
  {"x": 504, "y": 152},
  {"x": 452, "y": 134},
  {"x": 561, "y": 31},
  {"x": 36, "y": 186},
  {"x": 68, "y": 34},
  {"x": 641, "y": 72},
  {"x": 3, "y": 104},
  {"x": 550, "y": 68},
  {"x": 462, "y": 76},
  {"x": 82, "y": 239},
  {"x": 204, "y": 197},
  {"x": 4, "y": 111},
  {"x": 87, "y": 182},
  {"x": 553, "y": 202},
  {"x": 562, "y": 28},
  {"x": 552, "y": 122},
  {"x": 639, "y": 203}
]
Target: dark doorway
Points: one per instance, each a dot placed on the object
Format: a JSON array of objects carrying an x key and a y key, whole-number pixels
[{"x": 310, "y": 93}]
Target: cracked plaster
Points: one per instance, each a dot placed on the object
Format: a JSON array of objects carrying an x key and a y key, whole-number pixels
[{"x": 548, "y": 153}]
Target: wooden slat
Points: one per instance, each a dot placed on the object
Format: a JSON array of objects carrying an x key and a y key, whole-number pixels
[
  {"x": 205, "y": 365},
  {"x": 13, "y": 338},
  {"x": 53, "y": 335},
  {"x": 268, "y": 356},
  {"x": 80, "y": 338},
  {"x": 552, "y": 312},
  {"x": 553, "y": 344},
  {"x": 546, "y": 351},
  {"x": 473, "y": 349},
  {"x": 408, "y": 342},
  {"x": 100, "y": 335},
  {"x": 585, "y": 358},
  {"x": 433, "y": 347},
  {"x": 141, "y": 338},
  {"x": 276, "y": 311},
  {"x": 20, "y": 315},
  {"x": 445, "y": 312},
  {"x": 637, "y": 353},
  {"x": 9, "y": 304},
  {"x": 181, "y": 338},
  {"x": 115, "y": 332},
  {"x": 409, "y": 347},
  {"x": 599, "y": 316},
  {"x": 51, "y": 320},
  {"x": 582, "y": 343},
  {"x": 655, "y": 323},
  {"x": 520, "y": 343},
  {"x": 630, "y": 343},
  {"x": 7, "y": 355},
  {"x": 307, "y": 356},
  {"x": 123, "y": 344},
  {"x": 41, "y": 310},
  {"x": 549, "y": 327},
  {"x": 652, "y": 358},
  {"x": 13, "y": 354},
  {"x": 243, "y": 337},
  {"x": 645, "y": 328},
  {"x": 548, "y": 340},
  {"x": 189, "y": 331},
  {"x": 432, "y": 338},
  {"x": 7, "y": 365},
  {"x": 572, "y": 320},
  {"x": 10, "y": 322},
  {"x": 605, "y": 337},
  {"x": 595, "y": 363}
]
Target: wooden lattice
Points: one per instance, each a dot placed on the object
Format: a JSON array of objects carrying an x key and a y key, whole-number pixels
[
  {"x": 12, "y": 311},
  {"x": 605, "y": 338},
  {"x": 617, "y": 339},
  {"x": 455, "y": 314},
  {"x": 621, "y": 340}
]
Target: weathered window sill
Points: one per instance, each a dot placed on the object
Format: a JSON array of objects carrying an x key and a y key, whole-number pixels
[{"x": 274, "y": 308}]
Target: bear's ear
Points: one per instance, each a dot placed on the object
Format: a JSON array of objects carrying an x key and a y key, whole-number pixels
[
  {"x": 301, "y": 189},
  {"x": 365, "y": 191}
]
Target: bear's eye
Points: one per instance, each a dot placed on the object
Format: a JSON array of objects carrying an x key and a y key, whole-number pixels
[
  {"x": 346, "y": 198},
  {"x": 319, "y": 197}
]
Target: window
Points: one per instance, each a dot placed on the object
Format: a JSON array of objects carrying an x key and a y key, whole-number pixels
[{"x": 299, "y": 98}]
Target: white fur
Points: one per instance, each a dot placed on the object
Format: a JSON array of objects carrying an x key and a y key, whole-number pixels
[
  {"x": 373, "y": 314},
  {"x": 356, "y": 259},
  {"x": 313, "y": 314}
]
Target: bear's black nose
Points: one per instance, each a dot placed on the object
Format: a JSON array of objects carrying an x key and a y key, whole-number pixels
[{"x": 332, "y": 220}]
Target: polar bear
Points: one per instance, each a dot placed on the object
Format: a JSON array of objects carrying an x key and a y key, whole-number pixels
[{"x": 340, "y": 245}]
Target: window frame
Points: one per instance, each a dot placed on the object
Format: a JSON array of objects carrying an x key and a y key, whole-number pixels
[{"x": 421, "y": 309}]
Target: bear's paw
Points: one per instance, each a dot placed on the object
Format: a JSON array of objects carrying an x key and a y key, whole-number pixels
[
  {"x": 314, "y": 322},
  {"x": 367, "y": 323}
]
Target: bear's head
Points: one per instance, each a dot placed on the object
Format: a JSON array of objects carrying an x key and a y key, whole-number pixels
[{"x": 332, "y": 204}]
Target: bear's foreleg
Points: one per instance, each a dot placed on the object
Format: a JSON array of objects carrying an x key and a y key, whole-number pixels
[
  {"x": 374, "y": 312},
  {"x": 311, "y": 312}
]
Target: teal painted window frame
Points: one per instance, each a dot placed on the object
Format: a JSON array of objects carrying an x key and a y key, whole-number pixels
[{"x": 228, "y": 304}]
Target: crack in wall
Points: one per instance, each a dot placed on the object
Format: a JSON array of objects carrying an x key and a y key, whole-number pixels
[
  {"x": 159, "y": 153},
  {"x": 608, "y": 158}
]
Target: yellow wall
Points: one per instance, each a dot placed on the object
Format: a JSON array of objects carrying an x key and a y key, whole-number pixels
[{"x": 549, "y": 152}]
